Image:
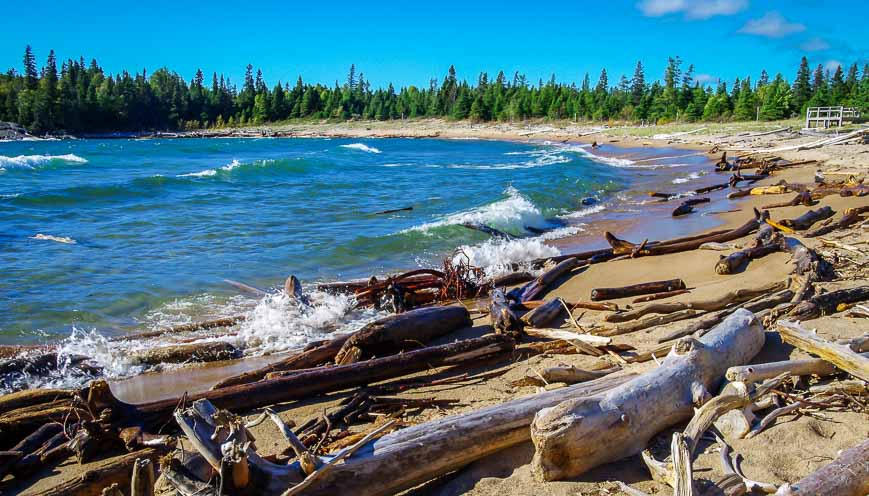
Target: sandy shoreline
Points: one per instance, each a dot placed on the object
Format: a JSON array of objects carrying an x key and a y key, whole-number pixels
[{"x": 791, "y": 448}]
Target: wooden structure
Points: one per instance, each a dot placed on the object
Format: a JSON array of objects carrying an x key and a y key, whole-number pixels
[{"x": 827, "y": 116}]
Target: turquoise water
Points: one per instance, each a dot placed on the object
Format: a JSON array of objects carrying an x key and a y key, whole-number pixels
[{"x": 119, "y": 234}]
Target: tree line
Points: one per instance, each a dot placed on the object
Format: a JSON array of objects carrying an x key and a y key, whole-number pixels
[{"x": 82, "y": 97}]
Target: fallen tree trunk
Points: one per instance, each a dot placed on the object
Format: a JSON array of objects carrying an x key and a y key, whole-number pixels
[
  {"x": 651, "y": 249},
  {"x": 637, "y": 289},
  {"x": 849, "y": 217},
  {"x": 29, "y": 397},
  {"x": 847, "y": 475},
  {"x": 687, "y": 206},
  {"x": 425, "y": 451},
  {"x": 758, "y": 372},
  {"x": 840, "y": 355},
  {"x": 545, "y": 313},
  {"x": 116, "y": 470},
  {"x": 806, "y": 220},
  {"x": 828, "y": 303},
  {"x": 765, "y": 242},
  {"x": 734, "y": 297},
  {"x": 404, "y": 331},
  {"x": 661, "y": 296},
  {"x": 540, "y": 285},
  {"x": 578, "y": 435},
  {"x": 195, "y": 352},
  {"x": 803, "y": 198}
]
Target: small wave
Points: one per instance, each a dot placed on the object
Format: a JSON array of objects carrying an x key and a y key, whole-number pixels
[
  {"x": 561, "y": 232},
  {"x": 497, "y": 257},
  {"x": 33, "y": 161},
  {"x": 49, "y": 237},
  {"x": 511, "y": 214},
  {"x": 689, "y": 177},
  {"x": 584, "y": 212},
  {"x": 212, "y": 172},
  {"x": 361, "y": 147}
]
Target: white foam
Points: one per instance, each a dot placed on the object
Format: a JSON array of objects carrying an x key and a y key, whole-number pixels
[
  {"x": 361, "y": 147},
  {"x": 49, "y": 237},
  {"x": 561, "y": 232},
  {"x": 689, "y": 177},
  {"x": 584, "y": 212},
  {"x": 33, "y": 161},
  {"x": 212, "y": 172},
  {"x": 497, "y": 256},
  {"x": 510, "y": 214}
]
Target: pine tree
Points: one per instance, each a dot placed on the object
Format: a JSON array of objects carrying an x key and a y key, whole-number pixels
[
  {"x": 638, "y": 85},
  {"x": 802, "y": 91},
  {"x": 31, "y": 77}
]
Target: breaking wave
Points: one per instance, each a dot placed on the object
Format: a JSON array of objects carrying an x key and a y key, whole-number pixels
[
  {"x": 497, "y": 256},
  {"x": 212, "y": 172},
  {"x": 361, "y": 147},
  {"x": 511, "y": 214},
  {"x": 34, "y": 161},
  {"x": 689, "y": 177}
]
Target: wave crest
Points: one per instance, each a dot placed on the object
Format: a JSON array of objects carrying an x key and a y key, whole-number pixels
[
  {"x": 511, "y": 214},
  {"x": 362, "y": 147},
  {"x": 34, "y": 161}
]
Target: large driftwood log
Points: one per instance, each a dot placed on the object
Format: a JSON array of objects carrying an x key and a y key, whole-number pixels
[
  {"x": 211, "y": 351},
  {"x": 803, "y": 198},
  {"x": 29, "y": 397},
  {"x": 598, "y": 294},
  {"x": 810, "y": 366},
  {"x": 545, "y": 313},
  {"x": 578, "y": 435},
  {"x": 809, "y": 218},
  {"x": 116, "y": 470},
  {"x": 840, "y": 355},
  {"x": 765, "y": 242},
  {"x": 849, "y": 217},
  {"x": 828, "y": 303},
  {"x": 310, "y": 357},
  {"x": 404, "y": 331},
  {"x": 422, "y": 452},
  {"x": 687, "y": 244},
  {"x": 847, "y": 475},
  {"x": 540, "y": 285},
  {"x": 717, "y": 303}
]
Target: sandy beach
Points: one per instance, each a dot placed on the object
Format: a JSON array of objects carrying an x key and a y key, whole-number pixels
[{"x": 789, "y": 449}]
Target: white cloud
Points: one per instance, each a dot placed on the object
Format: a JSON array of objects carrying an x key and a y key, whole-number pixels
[
  {"x": 815, "y": 45},
  {"x": 832, "y": 65},
  {"x": 772, "y": 25},
  {"x": 705, "y": 79},
  {"x": 692, "y": 9}
]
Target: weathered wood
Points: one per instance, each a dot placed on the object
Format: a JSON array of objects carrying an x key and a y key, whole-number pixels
[
  {"x": 511, "y": 279},
  {"x": 116, "y": 470},
  {"x": 849, "y": 217},
  {"x": 574, "y": 375},
  {"x": 655, "y": 321},
  {"x": 722, "y": 301},
  {"x": 210, "y": 351},
  {"x": 305, "y": 359},
  {"x": 491, "y": 231},
  {"x": 540, "y": 285},
  {"x": 566, "y": 335},
  {"x": 765, "y": 242},
  {"x": 660, "y": 296},
  {"x": 578, "y": 435},
  {"x": 636, "y": 289},
  {"x": 142, "y": 481},
  {"x": 847, "y": 475},
  {"x": 29, "y": 445},
  {"x": 757, "y": 372},
  {"x": 544, "y": 314},
  {"x": 29, "y": 397},
  {"x": 803, "y": 198},
  {"x": 806, "y": 220},
  {"x": 405, "y": 331},
  {"x": 840, "y": 355},
  {"x": 504, "y": 320},
  {"x": 425, "y": 451},
  {"x": 687, "y": 206},
  {"x": 828, "y": 303}
]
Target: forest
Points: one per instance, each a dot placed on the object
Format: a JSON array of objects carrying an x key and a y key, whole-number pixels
[{"x": 81, "y": 97}]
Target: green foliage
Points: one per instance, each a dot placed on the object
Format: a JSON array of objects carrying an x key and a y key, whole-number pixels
[{"x": 81, "y": 97}]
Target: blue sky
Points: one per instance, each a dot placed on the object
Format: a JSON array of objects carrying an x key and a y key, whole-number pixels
[{"x": 409, "y": 43}]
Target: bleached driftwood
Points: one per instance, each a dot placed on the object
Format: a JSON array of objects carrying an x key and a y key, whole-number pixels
[
  {"x": 410, "y": 456},
  {"x": 847, "y": 475},
  {"x": 840, "y": 355},
  {"x": 544, "y": 314},
  {"x": 578, "y": 435}
]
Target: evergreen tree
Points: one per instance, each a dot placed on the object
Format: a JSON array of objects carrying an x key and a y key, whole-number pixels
[
  {"x": 30, "y": 74},
  {"x": 802, "y": 90},
  {"x": 638, "y": 85}
]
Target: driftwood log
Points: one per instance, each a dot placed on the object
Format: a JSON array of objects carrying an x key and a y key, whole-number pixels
[
  {"x": 116, "y": 470},
  {"x": 578, "y": 435},
  {"x": 210, "y": 351},
  {"x": 540, "y": 285},
  {"x": 803, "y": 198},
  {"x": 404, "y": 331},
  {"x": 419, "y": 453},
  {"x": 847, "y": 475},
  {"x": 828, "y": 303},
  {"x": 545, "y": 313},
  {"x": 765, "y": 242},
  {"x": 504, "y": 320},
  {"x": 840, "y": 355},
  {"x": 809, "y": 218},
  {"x": 687, "y": 206},
  {"x": 598, "y": 294},
  {"x": 849, "y": 217}
]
